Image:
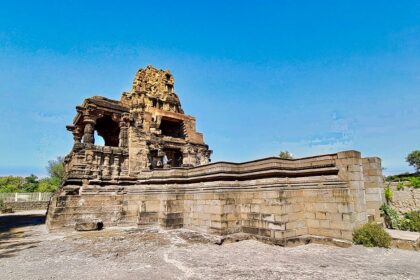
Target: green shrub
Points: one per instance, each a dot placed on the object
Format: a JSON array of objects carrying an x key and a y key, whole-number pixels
[
  {"x": 411, "y": 221},
  {"x": 414, "y": 182},
  {"x": 388, "y": 194},
  {"x": 405, "y": 180},
  {"x": 392, "y": 220},
  {"x": 372, "y": 235}
]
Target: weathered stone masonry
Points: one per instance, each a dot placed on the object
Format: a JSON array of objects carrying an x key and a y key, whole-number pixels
[{"x": 154, "y": 169}]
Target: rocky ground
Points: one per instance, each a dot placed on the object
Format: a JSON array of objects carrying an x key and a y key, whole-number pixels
[{"x": 28, "y": 251}]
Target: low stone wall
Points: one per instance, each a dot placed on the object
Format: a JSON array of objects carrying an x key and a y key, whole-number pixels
[
  {"x": 276, "y": 211},
  {"x": 27, "y": 205},
  {"x": 405, "y": 199},
  {"x": 271, "y": 198}
]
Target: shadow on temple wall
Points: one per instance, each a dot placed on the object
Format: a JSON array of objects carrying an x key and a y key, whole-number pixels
[{"x": 14, "y": 233}]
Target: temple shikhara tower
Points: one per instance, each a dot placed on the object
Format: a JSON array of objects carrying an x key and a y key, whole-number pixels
[
  {"x": 154, "y": 169},
  {"x": 146, "y": 130}
]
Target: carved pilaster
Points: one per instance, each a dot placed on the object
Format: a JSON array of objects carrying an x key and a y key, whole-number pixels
[
  {"x": 106, "y": 164},
  {"x": 124, "y": 124},
  {"x": 116, "y": 166}
]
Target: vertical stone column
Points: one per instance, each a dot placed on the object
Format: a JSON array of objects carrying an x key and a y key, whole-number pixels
[
  {"x": 123, "y": 137},
  {"x": 106, "y": 164},
  {"x": 116, "y": 166},
  {"x": 374, "y": 187},
  {"x": 351, "y": 171},
  {"x": 88, "y": 133},
  {"x": 124, "y": 164}
]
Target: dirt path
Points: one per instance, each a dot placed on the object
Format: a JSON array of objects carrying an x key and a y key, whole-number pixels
[{"x": 27, "y": 251}]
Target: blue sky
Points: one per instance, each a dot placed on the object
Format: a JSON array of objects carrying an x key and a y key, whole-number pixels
[{"x": 310, "y": 77}]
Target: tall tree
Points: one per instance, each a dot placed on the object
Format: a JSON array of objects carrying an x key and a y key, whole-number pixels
[{"x": 413, "y": 159}]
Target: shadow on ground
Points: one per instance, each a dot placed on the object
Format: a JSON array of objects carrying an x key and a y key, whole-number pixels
[{"x": 14, "y": 233}]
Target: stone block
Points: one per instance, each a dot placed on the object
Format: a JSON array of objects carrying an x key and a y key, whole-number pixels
[
  {"x": 312, "y": 223},
  {"x": 89, "y": 225}
]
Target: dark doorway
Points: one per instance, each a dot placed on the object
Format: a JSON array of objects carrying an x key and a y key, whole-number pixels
[{"x": 172, "y": 128}]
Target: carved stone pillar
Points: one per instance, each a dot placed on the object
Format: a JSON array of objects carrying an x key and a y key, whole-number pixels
[
  {"x": 124, "y": 165},
  {"x": 88, "y": 133},
  {"x": 106, "y": 164},
  {"x": 123, "y": 137},
  {"x": 116, "y": 166}
]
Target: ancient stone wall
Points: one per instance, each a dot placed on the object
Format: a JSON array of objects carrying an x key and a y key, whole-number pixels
[
  {"x": 27, "y": 205},
  {"x": 271, "y": 198},
  {"x": 373, "y": 181},
  {"x": 404, "y": 199}
]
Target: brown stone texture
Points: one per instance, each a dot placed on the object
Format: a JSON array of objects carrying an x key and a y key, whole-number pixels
[{"x": 159, "y": 173}]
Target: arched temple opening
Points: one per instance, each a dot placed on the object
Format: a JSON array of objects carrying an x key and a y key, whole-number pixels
[{"x": 109, "y": 130}]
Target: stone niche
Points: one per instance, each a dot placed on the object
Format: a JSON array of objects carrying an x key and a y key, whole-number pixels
[{"x": 155, "y": 169}]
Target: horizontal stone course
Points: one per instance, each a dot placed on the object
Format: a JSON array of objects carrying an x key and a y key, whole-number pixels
[{"x": 272, "y": 206}]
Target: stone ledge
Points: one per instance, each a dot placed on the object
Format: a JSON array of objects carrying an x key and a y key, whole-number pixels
[{"x": 406, "y": 240}]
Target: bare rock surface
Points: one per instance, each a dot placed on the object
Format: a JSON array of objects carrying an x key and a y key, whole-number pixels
[{"x": 28, "y": 251}]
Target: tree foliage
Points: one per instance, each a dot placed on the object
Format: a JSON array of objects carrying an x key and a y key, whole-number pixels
[
  {"x": 285, "y": 155},
  {"x": 56, "y": 169},
  {"x": 32, "y": 183},
  {"x": 413, "y": 159}
]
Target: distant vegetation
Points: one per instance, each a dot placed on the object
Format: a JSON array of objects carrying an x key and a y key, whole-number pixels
[
  {"x": 413, "y": 159},
  {"x": 32, "y": 183},
  {"x": 409, "y": 179},
  {"x": 285, "y": 155},
  {"x": 405, "y": 180}
]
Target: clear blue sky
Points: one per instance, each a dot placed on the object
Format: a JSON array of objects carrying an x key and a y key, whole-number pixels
[{"x": 310, "y": 77}]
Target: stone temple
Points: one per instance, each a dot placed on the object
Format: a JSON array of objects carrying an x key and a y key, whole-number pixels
[{"x": 154, "y": 168}]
